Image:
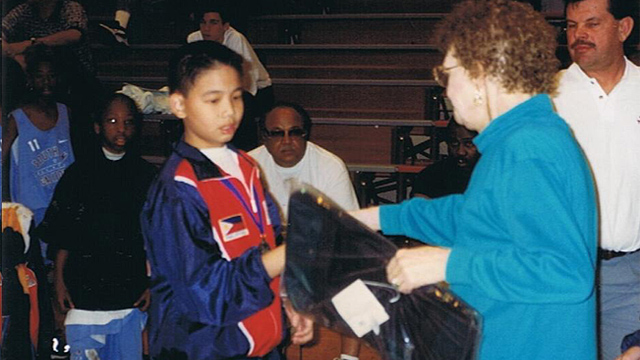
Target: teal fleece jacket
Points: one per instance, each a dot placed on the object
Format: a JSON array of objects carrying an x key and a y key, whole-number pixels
[{"x": 523, "y": 237}]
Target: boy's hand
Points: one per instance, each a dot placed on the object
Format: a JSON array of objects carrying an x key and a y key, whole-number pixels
[
  {"x": 301, "y": 326},
  {"x": 62, "y": 297},
  {"x": 143, "y": 301}
]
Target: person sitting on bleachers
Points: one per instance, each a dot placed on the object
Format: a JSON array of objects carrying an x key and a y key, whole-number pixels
[
  {"x": 55, "y": 23},
  {"x": 287, "y": 158},
  {"x": 215, "y": 26},
  {"x": 451, "y": 175}
]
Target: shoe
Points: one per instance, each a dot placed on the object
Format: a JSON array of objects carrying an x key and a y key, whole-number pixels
[
  {"x": 59, "y": 349},
  {"x": 118, "y": 33}
]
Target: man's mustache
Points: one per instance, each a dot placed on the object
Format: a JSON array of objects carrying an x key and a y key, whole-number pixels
[{"x": 582, "y": 42}]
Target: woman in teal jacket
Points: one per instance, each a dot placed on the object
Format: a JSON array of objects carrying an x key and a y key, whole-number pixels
[{"x": 520, "y": 244}]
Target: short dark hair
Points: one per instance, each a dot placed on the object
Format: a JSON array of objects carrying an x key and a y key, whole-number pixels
[
  {"x": 38, "y": 54},
  {"x": 306, "y": 119},
  {"x": 134, "y": 144},
  {"x": 212, "y": 6},
  {"x": 118, "y": 97},
  {"x": 189, "y": 61},
  {"x": 620, "y": 9}
]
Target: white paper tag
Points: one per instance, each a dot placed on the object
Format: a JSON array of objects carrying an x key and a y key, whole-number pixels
[{"x": 360, "y": 309}]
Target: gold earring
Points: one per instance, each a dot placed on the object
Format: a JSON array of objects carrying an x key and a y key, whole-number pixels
[{"x": 477, "y": 99}]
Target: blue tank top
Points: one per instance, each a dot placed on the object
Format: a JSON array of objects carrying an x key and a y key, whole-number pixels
[{"x": 38, "y": 160}]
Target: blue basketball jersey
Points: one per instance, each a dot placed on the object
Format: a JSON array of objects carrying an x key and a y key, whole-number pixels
[{"x": 38, "y": 160}]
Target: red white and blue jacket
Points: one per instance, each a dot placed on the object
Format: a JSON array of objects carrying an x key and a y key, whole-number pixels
[{"x": 211, "y": 297}]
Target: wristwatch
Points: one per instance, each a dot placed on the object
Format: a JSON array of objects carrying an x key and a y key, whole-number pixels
[{"x": 33, "y": 40}]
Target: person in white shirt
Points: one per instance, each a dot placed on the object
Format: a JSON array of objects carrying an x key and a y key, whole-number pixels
[
  {"x": 287, "y": 158},
  {"x": 599, "y": 97},
  {"x": 214, "y": 26}
]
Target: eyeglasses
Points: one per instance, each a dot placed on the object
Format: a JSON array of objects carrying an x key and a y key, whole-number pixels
[
  {"x": 279, "y": 134},
  {"x": 441, "y": 74}
]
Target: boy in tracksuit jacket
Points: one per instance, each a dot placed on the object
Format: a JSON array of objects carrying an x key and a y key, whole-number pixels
[{"x": 209, "y": 227}]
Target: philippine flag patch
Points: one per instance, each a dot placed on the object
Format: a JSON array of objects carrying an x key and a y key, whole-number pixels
[{"x": 233, "y": 227}]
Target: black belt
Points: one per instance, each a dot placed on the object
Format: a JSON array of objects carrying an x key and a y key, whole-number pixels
[{"x": 610, "y": 254}]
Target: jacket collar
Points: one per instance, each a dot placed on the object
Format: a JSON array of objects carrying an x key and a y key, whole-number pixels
[{"x": 202, "y": 166}]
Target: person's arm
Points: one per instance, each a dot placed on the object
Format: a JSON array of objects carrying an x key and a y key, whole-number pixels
[
  {"x": 182, "y": 252},
  {"x": 9, "y": 135},
  {"x": 369, "y": 216},
  {"x": 550, "y": 256},
  {"x": 62, "y": 38},
  {"x": 256, "y": 72},
  {"x": 273, "y": 261},
  {"x": 15, "y": 49},
  {"x": 63, "y": 298},
  {"x": 10, "y": 23},
  {"x": 546, "y": 252},
  {"x": 340, "y": 188}
]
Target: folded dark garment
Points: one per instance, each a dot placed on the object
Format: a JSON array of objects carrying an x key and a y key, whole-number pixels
[{"x": 327, "y": 250}]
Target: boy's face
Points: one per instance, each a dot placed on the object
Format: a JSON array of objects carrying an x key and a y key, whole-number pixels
[
  {"x": 117, "y": 127},
  {"x": 212, "y": 27},
  {"x": 212, "y": 109}
]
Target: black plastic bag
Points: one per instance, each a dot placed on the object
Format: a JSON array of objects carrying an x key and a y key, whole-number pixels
[{"x": 328, "y": 250}]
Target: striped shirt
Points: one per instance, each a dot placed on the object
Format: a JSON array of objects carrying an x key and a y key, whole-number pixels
[{"x": 23, "y": 23}]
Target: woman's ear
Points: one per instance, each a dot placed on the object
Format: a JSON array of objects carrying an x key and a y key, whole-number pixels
[
  {"x": 96, "y": 128},
  {"x": 176, "y": 102}
]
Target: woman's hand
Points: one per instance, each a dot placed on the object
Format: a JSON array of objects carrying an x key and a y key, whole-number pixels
[
  {"x": 301, "y": 326},
  {"x": 416, "y": 267}
]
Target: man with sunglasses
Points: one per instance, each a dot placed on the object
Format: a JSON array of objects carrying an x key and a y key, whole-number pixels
[
  {"x": 598, "y": 98},
  {"x": 288, "y": 158}
]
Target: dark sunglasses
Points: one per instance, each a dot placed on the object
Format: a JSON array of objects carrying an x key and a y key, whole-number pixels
[
  {"x": 279, "y": 134},
  {"x": 441, "y": 74}
]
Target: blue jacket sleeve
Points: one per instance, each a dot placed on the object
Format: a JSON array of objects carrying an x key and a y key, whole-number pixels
[{"x": 188, "y": 269}]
